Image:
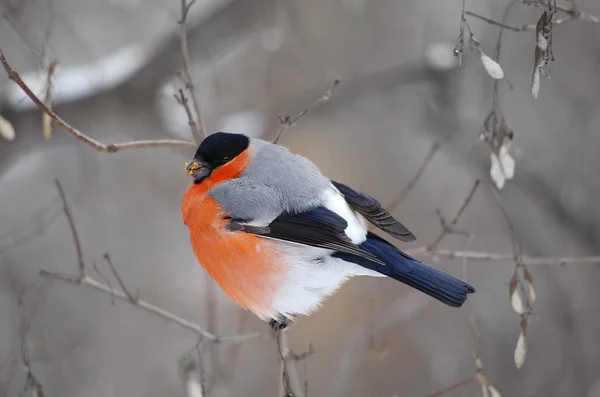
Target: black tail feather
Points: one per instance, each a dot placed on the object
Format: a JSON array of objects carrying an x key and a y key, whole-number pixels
[{"x": 410, "y": 271}]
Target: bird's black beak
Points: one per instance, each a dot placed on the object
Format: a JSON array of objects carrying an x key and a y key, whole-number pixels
[{"x": 198, "y": 169}]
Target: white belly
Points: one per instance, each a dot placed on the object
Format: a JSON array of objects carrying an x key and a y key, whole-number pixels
[{"x": 313, "y": 274}]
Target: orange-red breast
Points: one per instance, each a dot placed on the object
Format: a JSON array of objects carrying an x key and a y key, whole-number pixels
[{"x": 279, "y": 237}]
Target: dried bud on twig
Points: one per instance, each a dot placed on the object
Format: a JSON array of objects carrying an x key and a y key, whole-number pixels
[
  {"x": 492, "y": 67},
  {"x": 499, "y": 136},
  {"x": 521, "y": 348},
  {"x": 516, "y": 300},
  {"x": 532, "y": 292},
  {"x": 543, "y": 50}
]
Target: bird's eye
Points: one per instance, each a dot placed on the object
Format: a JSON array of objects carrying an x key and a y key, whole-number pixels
[{"x": 226, "y": 158}]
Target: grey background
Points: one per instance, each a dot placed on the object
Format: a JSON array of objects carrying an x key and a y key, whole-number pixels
[{"x": 253, "y": 59}]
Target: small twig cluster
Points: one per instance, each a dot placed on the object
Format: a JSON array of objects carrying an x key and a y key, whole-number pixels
[{"x": 495, "y": 131}]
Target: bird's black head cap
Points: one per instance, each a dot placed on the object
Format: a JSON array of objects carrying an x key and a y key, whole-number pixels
[{"x": 221, "y": 147}]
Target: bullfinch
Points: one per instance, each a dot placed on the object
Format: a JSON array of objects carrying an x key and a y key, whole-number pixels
[{"x": 279, "y": 237}]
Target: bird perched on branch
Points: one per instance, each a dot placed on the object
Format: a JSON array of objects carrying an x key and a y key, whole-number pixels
[{"x": 279, "y": 237}]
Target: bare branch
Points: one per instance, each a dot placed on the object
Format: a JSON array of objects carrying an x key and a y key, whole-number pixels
[
  {"x": 74, "y": 233},
  {"x": 285, "y": 387},
  {"x": 90, "y": 282},
  {"x": 183, "y": 101},
  {"x": 488, "y": 256},
  {"x": 574, "y": 12},
  {"x": 196, "y": 123},
  {"x": 110, "y": 148},
  {"x": 448, "y": 228},
  {"x": 48, "y": 98},
  {"x": 502, "y": 25},
  {"x": 31, "y": 381},
  {"x": 83, "y": 279},
  {"x": 288, "y": 121},
  {"x": 453, "y": 387},
  {"x": 413, "y": 182},
  {"x": 115, "y": 273}
]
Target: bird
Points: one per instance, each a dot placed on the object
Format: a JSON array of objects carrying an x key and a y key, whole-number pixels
[{"x": 279, "y": 237}]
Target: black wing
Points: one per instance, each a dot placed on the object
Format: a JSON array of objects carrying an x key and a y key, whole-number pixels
[
  {"x": 371, "y": 209},
  {"x": 318, "y": 227}
]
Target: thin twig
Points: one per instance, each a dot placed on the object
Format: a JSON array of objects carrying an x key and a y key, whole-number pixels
[
  {"x": 502, "y": 25},
  {"x": 285, "y": 387},
  {"x": 110, "y": 148},
  {"x": 453, "y": 387},
  {"x": 118, "y": 294},
  {"x": 288, "y": 121},
  {"x": 413, "y": 182},
  {"x": 74, "y": 232},
  {"x": 448, "y": 228},
  {"x": 48, "y": 98},
  {"x": 196, "y": 123},
  {"x": 573, "y": 12},
  {"x": 83, "y": 279},
  {"x": 113, "y": 269},
  {"x": 488, "y": 256},
  {"x": 31, "y": 381}
]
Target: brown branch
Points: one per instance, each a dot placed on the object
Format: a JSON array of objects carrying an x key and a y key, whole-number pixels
[
  {"x": 574, "y": 12},
  {"x": 285, "y": 387},
  {"x": 90, "y": 282},
  {"x": 48, "y": 98},
  {"x": 83, "y": 279},
  {"x": 413, "y": 182},
  {"x": 453, "y": 387},
  {"x": 488, "y": 256},
  {"x": 74, "y": 232},
  {"x": 448, "y": 228},
  {"x": 288, "y": 121},
  {"x": 113, "y": 269},
  {"x": 196, "y": 123},
  {"x": 183, "y": 101},
  {"x": 110, "y": 148},
  {"x": 31, "y": 381},
  {"x": 502, "y": 25}
]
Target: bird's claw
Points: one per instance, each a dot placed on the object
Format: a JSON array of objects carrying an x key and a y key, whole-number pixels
[{"x": 278, "y": 325}]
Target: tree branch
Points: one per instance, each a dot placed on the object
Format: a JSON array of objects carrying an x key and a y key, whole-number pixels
[
  {"x": 110, "y": 148},
  {"x": 448, "y": 228},
  {"x": 71, "y": 221},
  {"x": 288, "y": 121},
  {"x": 31, "y": 381},
  {"x": 82, "y": 279},
  {"x": 488, "y": 256},
  {"x": 500, "y": 24},
  {"x": 118, "y": 294},
  {"x": 574, "y": 12},
  {"x": 196, "y": 123},
  {"x": 285, "y": 387},
  {"x": 453, "y": 387}
]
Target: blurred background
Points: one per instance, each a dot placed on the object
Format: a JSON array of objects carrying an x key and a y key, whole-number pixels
[{"x": 251, "y": 60}]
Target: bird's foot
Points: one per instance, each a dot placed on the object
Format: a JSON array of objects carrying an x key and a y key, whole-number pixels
[{"x": 278, "y": 325}]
